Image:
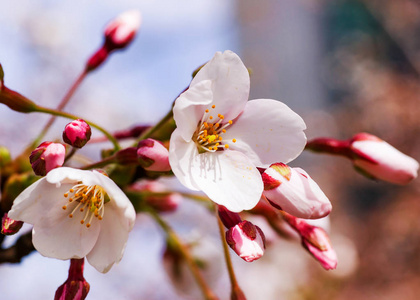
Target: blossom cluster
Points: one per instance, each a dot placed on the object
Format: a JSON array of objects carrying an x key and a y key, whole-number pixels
[{"x": 234, "y": 151}]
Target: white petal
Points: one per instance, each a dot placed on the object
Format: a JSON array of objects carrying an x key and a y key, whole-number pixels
[
  {"x": 110, "y": 245},
  {"x": 69, "y": 175},
  {"x": 181, "y": 156},
  {"x": 190, "y": 106},
  {"x": 58, "y": 236},
  {"x": 267, "y": 131},
  {"x": 31, "y": 204},
  {"x": 230, "y": 83},
  {"x": 228, "y": 178}
]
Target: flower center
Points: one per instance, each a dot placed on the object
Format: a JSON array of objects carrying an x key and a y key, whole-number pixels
[
  {"x": 208, "y": 136},
  {"x": 88, "y": 199}
]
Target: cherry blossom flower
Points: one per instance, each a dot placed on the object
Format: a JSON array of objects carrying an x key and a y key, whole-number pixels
[
  {"x": 77, "y": 214},
  {"x": 221, "y": 137}
]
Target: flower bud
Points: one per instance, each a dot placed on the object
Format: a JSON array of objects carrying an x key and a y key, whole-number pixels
[
  {"x": 121, "y": 31},
  {"x": 293, "y": 191},
  {"x": 153, "y": 156},
  {"x": 47, "y": 156},
  {"x": 10, "y": 226},
  {"x": 16, "y": 101},
  {"x": 77, "y": 133},
  {"x": 315, "y": 240},
  {"x": 247, "y": 240},
  {"x": 75, "y": 287},
  {"x": 118, "y": 34},
  {"x": 378, "y": 159}
]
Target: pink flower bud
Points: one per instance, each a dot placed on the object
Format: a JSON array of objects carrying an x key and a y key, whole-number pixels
[
  {"x": 47, "y": 156},
  {"x": 153, "y": 156},
  {"x": 247, "y": 240},
  {"x": 376, "y": 158},
  {"x": 121, "y": 31},
  {"x": 293, "y": 191},
  {"x": 77, "y": 133},
  {"x": 10, "y": 226},
  {"x": 118, "y": 34},
  {"x": 75, "y": 287},
  {"x": 315, "y": 240}
]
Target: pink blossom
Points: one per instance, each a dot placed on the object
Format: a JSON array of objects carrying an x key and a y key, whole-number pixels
[
  {"x": 121, "y": 31},
  {"x": 247, "y": 240},
  {"x": 315, "y": 240},
  {"x": 75, "y": 287},
  {"x": 47, "y": 156},
  {"x": 153, "y": 156},
  {"x": 292, "y": 190},
  {"x": 375, "y": 157},
  {"x": 77, "y": 133}
]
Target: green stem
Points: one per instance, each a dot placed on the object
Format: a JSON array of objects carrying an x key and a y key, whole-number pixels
[
  {"x": 73, "y": 117},
  {"x": 207, "y": 292},
  {"x": 236, "y": 290},
  {"x": 71, "y": 153},
  {"x": 153, "y": 129},
  {"x": 62, "y": 104},
  {"x": 100, "y": 164}
]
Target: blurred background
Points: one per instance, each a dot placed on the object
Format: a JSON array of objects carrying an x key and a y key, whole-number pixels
[{"x": 345, "y": 66}]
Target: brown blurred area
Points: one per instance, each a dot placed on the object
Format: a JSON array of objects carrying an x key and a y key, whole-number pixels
[{"x": 349, "y": 66}]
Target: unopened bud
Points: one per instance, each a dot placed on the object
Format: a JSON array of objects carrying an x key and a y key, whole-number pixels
[
  {"x": 247, "y": 240},
  {"x": 16, "y": 101},
  {"x": 318, "y": 244},
  {"x": 47, "y": 156},
  {"x": 378, "y": 159},
  {"x": 77, "y": 133},
  {"x": 121, "y": 31},
  {"x": 118, "y": 34},
  {"x": 293, "y": 191},
  {"x": 75, "y": 287},
  {"x": 315, "y": 240},
  {"x": 10, "y": 226},
  {"x": 228, "y": 218},
  {"x": 153, "y": 156}
]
